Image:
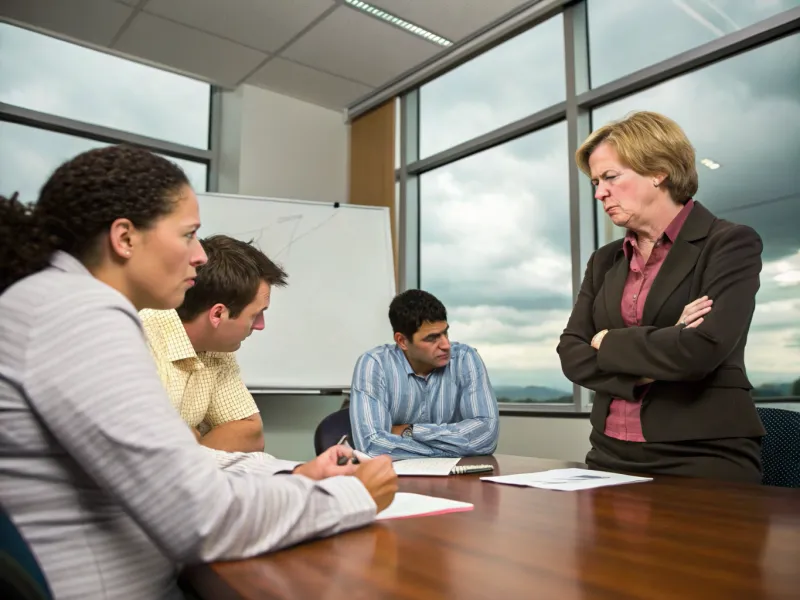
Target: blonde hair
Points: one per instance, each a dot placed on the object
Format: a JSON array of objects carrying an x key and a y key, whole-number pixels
[{"x": 649, "y": 143}]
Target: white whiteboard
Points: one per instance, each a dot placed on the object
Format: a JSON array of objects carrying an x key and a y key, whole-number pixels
[{"x": 340, "y": 282}]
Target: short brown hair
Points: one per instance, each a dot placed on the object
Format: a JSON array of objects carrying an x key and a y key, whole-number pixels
[
  {"x": 649, "y": 143},
  {"x": 231, "y": 277}
]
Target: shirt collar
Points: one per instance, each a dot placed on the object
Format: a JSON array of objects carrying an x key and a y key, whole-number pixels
[
  {"x": 670, "y": 233},
  {"x": 407, "y": 365},
  {"x": 398, "y": 351},
  {"x": 179, "y": 346},
  {"x": 67, "y": 263}
]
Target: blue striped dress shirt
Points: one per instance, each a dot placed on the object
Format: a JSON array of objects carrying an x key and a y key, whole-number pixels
[{"x": 453, "y": 409}]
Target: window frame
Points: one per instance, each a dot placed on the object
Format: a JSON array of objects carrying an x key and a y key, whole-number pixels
[
  {"x": 41, "y": 120},
  {"x": 576, "y": 110}
]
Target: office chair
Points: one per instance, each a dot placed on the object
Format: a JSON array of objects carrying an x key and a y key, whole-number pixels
[
  {"x": 780, "y": 448},
  {"x": 331, "y": 429},
  {"x": 21, "y": 577}
]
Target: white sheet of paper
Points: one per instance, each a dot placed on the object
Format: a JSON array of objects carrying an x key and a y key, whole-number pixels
[
  {"x": 567, "y": 480},
  {"x": 437, "y": 467},
  {"x": 418, "y": 505}
]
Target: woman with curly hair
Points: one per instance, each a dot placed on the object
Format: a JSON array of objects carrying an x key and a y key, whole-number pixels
[{"x": 97, "y": 469}]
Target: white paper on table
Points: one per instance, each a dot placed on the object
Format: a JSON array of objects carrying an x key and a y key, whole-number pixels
[
  {"x": 437, "y": 467},
  {"x": 407, "y": 505},
  {"x": 567, "y": 480}
]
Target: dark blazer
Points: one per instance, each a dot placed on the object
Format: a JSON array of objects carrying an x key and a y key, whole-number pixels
[{"x": 701, "y": 390}]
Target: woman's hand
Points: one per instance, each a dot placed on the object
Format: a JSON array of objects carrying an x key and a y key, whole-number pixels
[
  {"x": 693, "y": 312},
  {"x": 598, "y": 339}
]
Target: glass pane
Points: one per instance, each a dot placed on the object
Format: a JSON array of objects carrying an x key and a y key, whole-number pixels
[
  {"x": 507, "y": 83},
  {"x": 744, "y": 114},
  {"x": 627, "y": 36},
  {"x": 28, "y": 156},
  {"x": 501, "y": 268},
  {"x": 48, "y": 75}
]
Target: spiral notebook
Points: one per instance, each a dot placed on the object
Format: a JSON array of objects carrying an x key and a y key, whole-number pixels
[{"x": 436, "y": 467}]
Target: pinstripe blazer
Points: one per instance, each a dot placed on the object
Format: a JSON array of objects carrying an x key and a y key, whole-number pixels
[{"x": 99, "y": 472}]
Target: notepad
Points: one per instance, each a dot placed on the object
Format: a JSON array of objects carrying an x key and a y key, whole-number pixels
[
  {"x": 406, "y": 505},
  {"x": 567, "y": 480},
  {"x": 436, "y": 467}
]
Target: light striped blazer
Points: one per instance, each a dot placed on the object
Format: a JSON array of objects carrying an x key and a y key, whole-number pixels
[{"x": 99, "y": 472}]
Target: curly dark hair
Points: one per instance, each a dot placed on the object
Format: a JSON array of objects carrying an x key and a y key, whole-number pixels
[
  {"x": 231, "y": 277},
  {"x": 410, "y": 309},
  {"x": 80, "y": 201}
]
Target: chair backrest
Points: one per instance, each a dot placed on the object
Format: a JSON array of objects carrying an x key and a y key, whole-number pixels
[
  {"x": 780, "y": 448},
  {"x": 20, "y": 574},
  {"x": 331, "y": 429}
]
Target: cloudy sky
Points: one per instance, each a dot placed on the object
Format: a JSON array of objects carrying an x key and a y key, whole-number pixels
[
  {"x": 495, "y": 229},
  {"x": 48, "y": 75}
]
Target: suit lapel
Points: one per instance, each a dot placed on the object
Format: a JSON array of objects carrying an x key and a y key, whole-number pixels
[
  {"x": 612, "y": 290},
  {"x": 680, "y": 261}
]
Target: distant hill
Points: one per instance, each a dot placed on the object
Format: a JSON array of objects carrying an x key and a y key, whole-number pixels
[
  {"x": 530, "y": 393},
  {"x": 772, "y": 390}
]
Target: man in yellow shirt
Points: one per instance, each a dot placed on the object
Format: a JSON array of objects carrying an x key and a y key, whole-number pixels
[{"x": 194, "y": 345}]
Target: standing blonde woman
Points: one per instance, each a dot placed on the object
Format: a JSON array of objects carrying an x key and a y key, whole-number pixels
[{"x": 659, "y": 328}]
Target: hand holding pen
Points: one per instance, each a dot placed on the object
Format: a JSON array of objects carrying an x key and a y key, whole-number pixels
[
  {"x": 335, "y": 461},
  {"x": 350, "y": 455}
]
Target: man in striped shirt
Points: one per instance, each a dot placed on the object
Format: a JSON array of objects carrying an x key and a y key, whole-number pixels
[{"x": 422, "y": 396}]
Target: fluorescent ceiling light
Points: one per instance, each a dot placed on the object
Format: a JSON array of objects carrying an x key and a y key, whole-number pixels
[
  {"x": 401, "y": 23},
  {"x": 710, "y": 164}
]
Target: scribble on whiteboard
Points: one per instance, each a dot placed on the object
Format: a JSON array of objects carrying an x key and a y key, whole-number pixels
[
  {"x": 260, "y": 235},
  {"x": 294, "y": 240},
  {"x": 297, "y": 219}
]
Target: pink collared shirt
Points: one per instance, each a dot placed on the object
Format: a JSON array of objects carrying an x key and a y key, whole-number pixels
[{"x": 624, "y": 416}]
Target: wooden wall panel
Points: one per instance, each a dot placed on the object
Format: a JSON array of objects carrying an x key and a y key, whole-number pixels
[{"x": 371, "y": 177}]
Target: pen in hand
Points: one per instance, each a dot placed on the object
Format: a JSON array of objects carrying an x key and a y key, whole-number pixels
[{"x": 343, "y": 460}]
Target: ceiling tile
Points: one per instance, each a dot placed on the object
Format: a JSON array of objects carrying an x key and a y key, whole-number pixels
[
  {"x": 262, "y": 24},
  {"x": 188, "y": 50},
  {"x": 360, "y": 47},
  {"x": 93, "y": 21},
  {"x": 453, "y": 19},
  {"x": 292, "y": 79}
]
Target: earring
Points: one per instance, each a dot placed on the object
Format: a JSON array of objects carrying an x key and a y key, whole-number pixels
[{"x": 655, "y": 183}]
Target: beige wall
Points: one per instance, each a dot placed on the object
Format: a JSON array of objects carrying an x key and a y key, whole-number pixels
[{"x": 276, "y": 146}]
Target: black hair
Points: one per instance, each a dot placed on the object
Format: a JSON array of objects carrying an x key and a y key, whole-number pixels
[
  {"x": 80, "y": 201},
  {"x": 410, "y": 309},
  {"x": 231, "y": 277}
]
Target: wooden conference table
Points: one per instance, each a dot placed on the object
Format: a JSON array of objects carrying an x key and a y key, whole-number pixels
[{"x": 669, "y": 538}]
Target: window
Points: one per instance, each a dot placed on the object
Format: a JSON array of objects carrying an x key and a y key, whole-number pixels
[
  {"x": 52, "y": 76},
  {"x": 521, "y": 76},
  {"x": 28, "y": 156},
  {"x": 495, "y": 249},
  {"x": 627, "y": 36},
  {"x": 744, "y": 114}
]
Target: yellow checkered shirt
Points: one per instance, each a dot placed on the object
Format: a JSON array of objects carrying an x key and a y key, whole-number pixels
[{"x": 206, "y": 388}]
